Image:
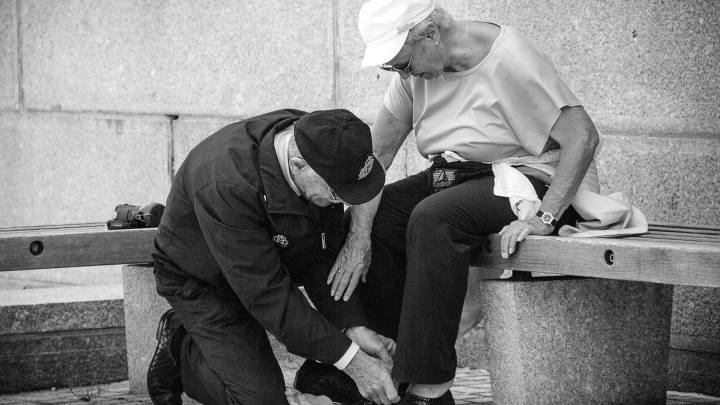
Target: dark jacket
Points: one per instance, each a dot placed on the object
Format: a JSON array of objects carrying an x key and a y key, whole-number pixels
[{"x": 218, "y": 226}]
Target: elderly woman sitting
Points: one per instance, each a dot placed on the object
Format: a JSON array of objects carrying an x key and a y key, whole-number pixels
[{"x": 486, "y": 107}]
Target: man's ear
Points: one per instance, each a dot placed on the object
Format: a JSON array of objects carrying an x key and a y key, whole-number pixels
[{"x": 297, "y": 163}]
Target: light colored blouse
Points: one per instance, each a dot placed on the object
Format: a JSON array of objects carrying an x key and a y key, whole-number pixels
[{"x": 505, "y": 106}]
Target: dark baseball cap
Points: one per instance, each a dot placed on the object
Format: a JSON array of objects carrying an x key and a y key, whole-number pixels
[{"x": 338, "y": 146}]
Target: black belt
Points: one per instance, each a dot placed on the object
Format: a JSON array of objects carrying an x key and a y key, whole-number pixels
[{"x": 444, "y": 174}]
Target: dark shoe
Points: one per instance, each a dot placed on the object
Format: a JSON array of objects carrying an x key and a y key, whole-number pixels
[
  {"x": 163, "y": 377},
  {"x": 410, "y": 399},
  {"x": 325, "y": 379}
]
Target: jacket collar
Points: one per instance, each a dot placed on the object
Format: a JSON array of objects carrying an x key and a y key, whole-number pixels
[{"x": 280, "y": 197}]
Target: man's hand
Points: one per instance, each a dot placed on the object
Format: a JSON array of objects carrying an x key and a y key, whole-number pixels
[
  {"x": 372, "y": 378},
  {"x": 517, "y": 231},
  {"x": 350, "y": 267},
  {"x": 373, "y": 344},
  {"x": 296, "y": 397}
]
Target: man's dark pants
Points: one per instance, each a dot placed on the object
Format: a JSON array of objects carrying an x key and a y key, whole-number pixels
[
  {"x": 226, "y": 356},
  {"x": 431, "y": 235}
]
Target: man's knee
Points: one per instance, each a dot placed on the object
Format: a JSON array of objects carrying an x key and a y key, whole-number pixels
[
  {"x": 223, "y": 391},
  {"x": 272, "y": 394},
  {"x": 212, "y": 377}
]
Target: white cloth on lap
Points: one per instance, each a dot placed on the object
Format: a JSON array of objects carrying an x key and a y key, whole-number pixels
[{"x": 604, "y": 215}]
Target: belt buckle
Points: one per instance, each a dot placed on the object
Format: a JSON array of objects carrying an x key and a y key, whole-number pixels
[{"x": 442, "y": 178}]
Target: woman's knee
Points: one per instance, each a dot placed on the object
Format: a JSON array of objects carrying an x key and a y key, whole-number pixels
[{"x": 425, "y": 217}]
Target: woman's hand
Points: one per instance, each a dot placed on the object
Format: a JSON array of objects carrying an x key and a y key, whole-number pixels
[
  {"x": 518, "y": 230},
  {"x": 350, "y": 267}
]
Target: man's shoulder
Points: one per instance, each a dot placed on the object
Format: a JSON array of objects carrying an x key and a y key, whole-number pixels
[
  {"x": 278, "y": 115},
  {"x": 272, "y": 121}
]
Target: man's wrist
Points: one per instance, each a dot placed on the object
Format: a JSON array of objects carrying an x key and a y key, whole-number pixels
[{"x": 347, "y": 357}]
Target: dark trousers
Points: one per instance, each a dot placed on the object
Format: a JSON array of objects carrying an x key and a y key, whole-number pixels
[
  {"x": 421, "y": 243},
  {"x": 226, "y": 356}
]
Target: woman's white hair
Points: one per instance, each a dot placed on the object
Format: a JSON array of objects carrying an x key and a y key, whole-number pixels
[{"x": 441, "y": 18}]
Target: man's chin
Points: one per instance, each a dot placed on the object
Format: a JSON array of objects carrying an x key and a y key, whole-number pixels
[{"x": 320, "y": 202}]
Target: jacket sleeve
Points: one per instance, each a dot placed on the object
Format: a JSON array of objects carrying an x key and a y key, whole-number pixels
[{"x": 232, "y": 222}]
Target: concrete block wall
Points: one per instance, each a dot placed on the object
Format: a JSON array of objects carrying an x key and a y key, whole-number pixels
[{"x": 100, "y": 101}]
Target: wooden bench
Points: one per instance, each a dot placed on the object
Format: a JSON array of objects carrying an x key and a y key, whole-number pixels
[
  {"x": 533, "y": 333},
  {"x": 602, "y": 334},
  {"x": 668, "y": 254},
  {"x": 77, "y": 245}
]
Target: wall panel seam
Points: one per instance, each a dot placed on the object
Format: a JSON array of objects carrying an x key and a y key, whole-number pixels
[
  {"x": 18, "y": 59},
  {"x": 335, "y": 55},
  {"x": 689, "y": 135},
  {"x": 159, "y": 114},
  {"x": 171, "y": 148}
]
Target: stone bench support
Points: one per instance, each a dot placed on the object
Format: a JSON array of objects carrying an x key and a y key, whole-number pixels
[
  {"x": 577, "y": 341},
  {"x": 143, "y": 308}
]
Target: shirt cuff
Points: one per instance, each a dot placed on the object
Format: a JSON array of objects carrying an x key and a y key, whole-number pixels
[{"x": 347, "y": 357}]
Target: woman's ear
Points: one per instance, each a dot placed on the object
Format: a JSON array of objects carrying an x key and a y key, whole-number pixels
[{"x": 431, "y": 32}]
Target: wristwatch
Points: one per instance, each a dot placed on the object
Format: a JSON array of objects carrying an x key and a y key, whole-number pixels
[{"x": 547, "y": 218}]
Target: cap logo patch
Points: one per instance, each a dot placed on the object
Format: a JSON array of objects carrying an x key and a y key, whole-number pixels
[
  {"x": 405, "y": 27},
  {"x": 367, "y": 167}
]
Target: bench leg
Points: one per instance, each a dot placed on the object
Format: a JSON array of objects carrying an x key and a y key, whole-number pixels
[
  {"x": 577, "y": 341},
  {"x": 143, "y": 308}
]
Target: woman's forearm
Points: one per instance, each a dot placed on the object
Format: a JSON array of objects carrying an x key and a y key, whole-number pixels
[{"x": 576, "y": 134}]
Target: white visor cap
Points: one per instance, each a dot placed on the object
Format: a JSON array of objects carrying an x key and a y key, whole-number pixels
[{"x": 384, "y": 26}]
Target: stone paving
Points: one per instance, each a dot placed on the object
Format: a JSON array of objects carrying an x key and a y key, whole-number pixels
[{"x": 471, "y": 387}]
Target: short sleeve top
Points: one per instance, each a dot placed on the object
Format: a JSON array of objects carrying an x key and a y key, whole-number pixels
[{"x": 504, "y": 106}]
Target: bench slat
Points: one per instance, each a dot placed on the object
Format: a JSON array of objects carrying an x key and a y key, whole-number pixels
[
  {"x": 679, "y": 237},
  {"x": 75, "y": 246},
  {"x": 52, "y": 229},
  {"x": 689, "y": 234},
  {"x": 685, "y": 228},
  {"x": 635, "y": 259},
  {"x": 685, "y": 257}
]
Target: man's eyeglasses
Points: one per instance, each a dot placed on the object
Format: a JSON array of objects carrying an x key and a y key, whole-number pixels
[
  {"x": 333, "y": 197},
  {"x": 404, "y": 68}
]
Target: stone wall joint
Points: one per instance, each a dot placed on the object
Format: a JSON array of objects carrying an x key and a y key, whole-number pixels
[{"x": 19, "y": 67}]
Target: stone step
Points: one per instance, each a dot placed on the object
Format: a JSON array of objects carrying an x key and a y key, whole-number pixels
[
  {"x": 69, "y": 336},
  {"x": 62, "y": 359},
  {"x": 61, "y": 337}
]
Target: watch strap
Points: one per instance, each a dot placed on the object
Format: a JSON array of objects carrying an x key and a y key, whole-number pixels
[{"x": 547, "y": 218}]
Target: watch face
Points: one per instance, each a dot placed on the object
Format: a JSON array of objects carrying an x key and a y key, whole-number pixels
[{"x": 547, "y": 218}]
